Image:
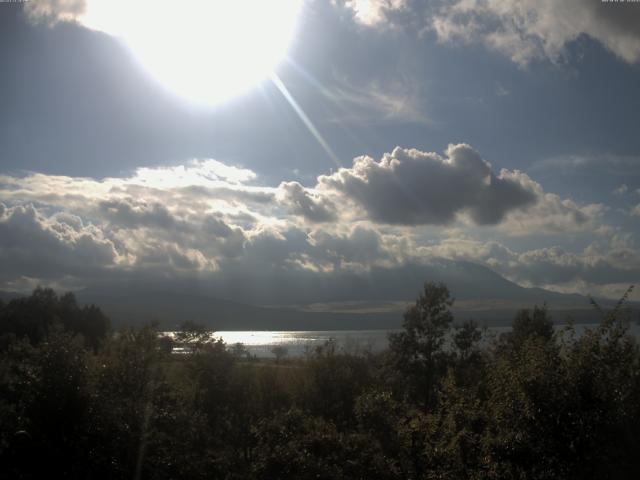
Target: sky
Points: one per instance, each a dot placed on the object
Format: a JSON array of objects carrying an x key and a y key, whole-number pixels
[{"x": 250, "y": 152}]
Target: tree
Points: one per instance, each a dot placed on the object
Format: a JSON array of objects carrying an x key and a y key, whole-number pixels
[
  {"x": 530, "y": 325},
  {"x": 469, "y": 365},
  {"x": 125, "y": 391},
  {"x": 294, "y": 444},
  {"x": 95, "y": 326},
  {"x": 34, "y": 317},
  {"x": 280, "y": 351},
  {"x": 418, "y": 352},
  {"x": 166, "y": 344},
  {"x": 239, "y": 350},
  {"x": 194, "y": 335},
  {"x": 467, "y": 338},
  {"x": 333, "y": 381},
  {"x": 44, "y": 407}
]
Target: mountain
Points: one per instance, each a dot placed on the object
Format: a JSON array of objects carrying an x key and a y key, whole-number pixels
[
  {"x": 170, "y": 309},
  {"x": 373, "y": 300}
]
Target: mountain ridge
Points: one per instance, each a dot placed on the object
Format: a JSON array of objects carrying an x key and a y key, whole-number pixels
[{"x": 480, "y": 293}]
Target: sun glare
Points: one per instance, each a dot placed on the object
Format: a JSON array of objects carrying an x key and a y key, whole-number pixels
[{"x": 206, "y": 51}]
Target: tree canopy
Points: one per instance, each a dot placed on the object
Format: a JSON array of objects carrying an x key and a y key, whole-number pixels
[{"x": 443, "y": 402}]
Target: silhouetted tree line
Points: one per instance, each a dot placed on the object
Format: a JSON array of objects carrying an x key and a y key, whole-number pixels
[{"x": 443, "y": 402}]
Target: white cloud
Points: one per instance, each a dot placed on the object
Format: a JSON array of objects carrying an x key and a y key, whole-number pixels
[
  {"x": 602, "y": 268},
  {"x": 617, "y": 261},
  {"x": 601, "y": 164},
  {"x": 621, "y": 190},
  {"x": 491, "y": 253},
  {"x": 51, "y": 11},
  {"x": 527, "y": 30},
  {"x": 377, "y": 102},
  {"x": 34, "y": 243},
  {"x": 410, "y": 187},
  {"x": 523, "y": 30},
  {"x": 372, "y": 12},
  {"x": 205, "y": 173},
  {"x": 310, "y": 205},
  {"x": 357, "y": 248},
  {"x": 76, "y": 231},
  {"x": 176, "y": 219},
  {"x": 551, "y": 214}
]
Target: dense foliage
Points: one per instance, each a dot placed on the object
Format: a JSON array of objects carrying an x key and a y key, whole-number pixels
[{"x": 443, "y": 402}]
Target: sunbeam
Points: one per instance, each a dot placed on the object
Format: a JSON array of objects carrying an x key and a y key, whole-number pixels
[{"x": 305, "y": 119}]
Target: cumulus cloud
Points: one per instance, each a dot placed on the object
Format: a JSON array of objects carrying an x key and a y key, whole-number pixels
[
  {"x": 300, "y": 201},
  {"x": 550, "y": 214},
  {"x": 621, "y": 190},
  {"x": 527, "y": 30},
  {"x": 210, "y": 222},
  {"x": 410, "y": 187},
  {"x": 196, "y": 172},
  {"x": 616, "y": 261},
  {"x": 357, "y": 248},
  {"x": 227, "y": 232},
  {"x": 601, "y": 268},
  {"x": 461, "y": 248},
  {"x": 134, "y": 214},
  {"x": 165, "y": 219},
  {"x": 169, "y": 258},
  {"x": 523, "y": 30},
  {"x": 32, "y": 243},
  {"x": 51, "y": 11},
  {"x": 372, "y": 12}
]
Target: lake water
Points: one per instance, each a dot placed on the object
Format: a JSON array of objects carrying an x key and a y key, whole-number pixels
[{"x": 260, "y": 343}]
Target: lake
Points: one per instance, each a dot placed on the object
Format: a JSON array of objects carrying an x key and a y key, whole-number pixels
[{"x": 260, "y": 343}]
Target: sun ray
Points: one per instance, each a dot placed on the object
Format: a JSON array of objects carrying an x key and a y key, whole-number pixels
[
  {"x": 305, "y": 119},
  {"x": 338, "y": 108}
]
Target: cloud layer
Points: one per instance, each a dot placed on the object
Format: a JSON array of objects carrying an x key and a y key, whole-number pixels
[
  {"x": 527, "y": 30},
  {"x": 523, "y": 30},
  {"x": 208, "y": 221}
]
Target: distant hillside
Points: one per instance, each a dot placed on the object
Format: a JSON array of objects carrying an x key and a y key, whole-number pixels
[
  {"x": 8, "y": 296},
  {"x": 170, "y": 309},
  {"x": 374, "y": 301}
]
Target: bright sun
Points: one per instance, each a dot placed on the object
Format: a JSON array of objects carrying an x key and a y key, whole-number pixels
[{"x": 206, "y": 51}]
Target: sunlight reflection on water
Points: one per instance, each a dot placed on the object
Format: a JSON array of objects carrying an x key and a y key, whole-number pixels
[{"x": 261, "y": 342}]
